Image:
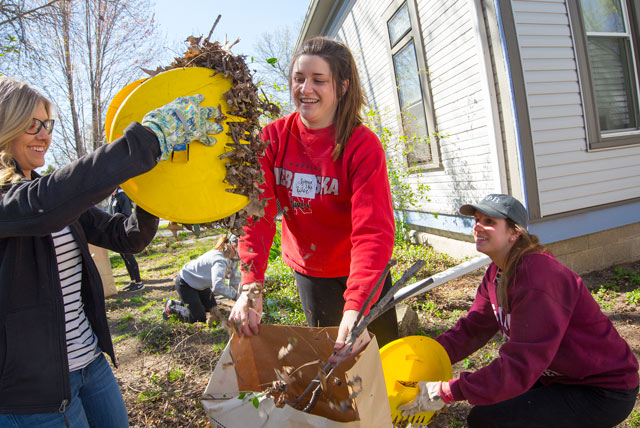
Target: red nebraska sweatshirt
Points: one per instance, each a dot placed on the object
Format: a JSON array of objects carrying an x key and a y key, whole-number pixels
[
  {"x": 337, "y": 215},
  {"x": 554, "y": 332}
]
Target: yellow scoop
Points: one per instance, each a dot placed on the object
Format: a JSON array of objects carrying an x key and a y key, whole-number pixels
[
  {"x": 410, "y": 360},
  {"x": 187, "y": 188},
  {"x": 116, "y": 102}
]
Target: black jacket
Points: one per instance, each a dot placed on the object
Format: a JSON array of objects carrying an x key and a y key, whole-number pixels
[
  {"x": 34, "y": 374},
  {"x": 120, "y": 203}
]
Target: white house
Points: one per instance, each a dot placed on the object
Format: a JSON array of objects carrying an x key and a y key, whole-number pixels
[{"x": 538, "y": 99}]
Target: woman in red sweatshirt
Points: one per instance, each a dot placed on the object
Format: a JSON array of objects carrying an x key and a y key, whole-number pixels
[
  {"x": 563, "y": 364},
  {"x": 328, "y": 173}
]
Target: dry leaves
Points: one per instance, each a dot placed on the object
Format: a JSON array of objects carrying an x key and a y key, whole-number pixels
[{"x": 243, "y": 167}]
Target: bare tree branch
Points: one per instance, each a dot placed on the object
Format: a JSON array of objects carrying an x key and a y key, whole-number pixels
[
  {"x": 18, "y": 15},
  {"x": 213, "y": 28},
  {"x": 80, "y": 55},
  {"x": 274, "y": 51}
]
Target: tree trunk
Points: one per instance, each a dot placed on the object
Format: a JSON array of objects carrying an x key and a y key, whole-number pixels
[
  {"x": 65, "y": 14},
  {"x": 86, "y": 51},
  {"x": 93, "y": 28}
]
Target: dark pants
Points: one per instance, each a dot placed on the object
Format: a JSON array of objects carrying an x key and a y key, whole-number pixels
[
  {"x": 323, "y": 302},
  {"x": 199, "y": 302},
  {"x": 561, "y": 406},
  {"x": 132, "y": 267}
]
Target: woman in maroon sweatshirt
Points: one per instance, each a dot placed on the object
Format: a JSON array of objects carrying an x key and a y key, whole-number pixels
[{"x": 563, "y": 364}]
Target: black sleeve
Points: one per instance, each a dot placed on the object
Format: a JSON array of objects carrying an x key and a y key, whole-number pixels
[
  {"x": 123, "y": 204},
  {"x": 47, "y": 204},
  {"x": 127, "y": 235}
]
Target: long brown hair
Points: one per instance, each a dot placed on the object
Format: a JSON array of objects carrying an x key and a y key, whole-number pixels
[
  {"x": 343, "y": 69},
  {"x": 525, "y": 244},
  {"x": 18, "y": 101}
]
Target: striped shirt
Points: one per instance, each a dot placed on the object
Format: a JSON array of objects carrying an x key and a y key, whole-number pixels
[{"x": 82, "y": 343}]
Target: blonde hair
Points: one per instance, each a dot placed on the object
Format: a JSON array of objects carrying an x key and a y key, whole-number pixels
[
  {"x": 18, "y": 101},
  {"x": 225, "y": 246},
  {"x": 525, "y": 244}
]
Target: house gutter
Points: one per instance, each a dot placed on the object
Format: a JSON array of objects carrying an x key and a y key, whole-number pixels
[
  {"x": 514, "y": 109},
  {"x": 306, "y": 24},
  {"x": 316, "y": 22}
]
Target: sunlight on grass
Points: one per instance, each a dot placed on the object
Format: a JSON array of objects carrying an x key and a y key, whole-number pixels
[
  {"x": 120, "y": 338},
  {"x": 634, "y": 419},
  {"x": 603, "y": 297},
  {"x": 218, "y": 347},
  {"x": 281, "y": 302},
  {"x": 633, "y": 297},
  {"x": 175, "y": 374}
]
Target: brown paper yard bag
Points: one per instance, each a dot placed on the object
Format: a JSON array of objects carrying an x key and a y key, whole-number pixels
[
  {"x": 247, "y": 364},
  {"x": 101, "y": 259}
]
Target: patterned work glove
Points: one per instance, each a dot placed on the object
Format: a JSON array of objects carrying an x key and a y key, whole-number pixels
[
  {"x": 181, "y": 121},
  {"x": 427, "y": 400}
]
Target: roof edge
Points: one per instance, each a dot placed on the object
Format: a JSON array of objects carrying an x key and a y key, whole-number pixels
[{"x": 316, "y": 18}]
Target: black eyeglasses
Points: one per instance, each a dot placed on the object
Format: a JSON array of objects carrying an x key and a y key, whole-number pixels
[{"x": 36, "y": 125}]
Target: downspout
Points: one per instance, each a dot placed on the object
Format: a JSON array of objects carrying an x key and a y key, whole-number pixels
[
  {"x": 514, "y": 110},
  {"x": 490, "y": 100}
]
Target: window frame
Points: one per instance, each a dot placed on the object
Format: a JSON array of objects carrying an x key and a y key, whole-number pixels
[
  {"x": 596, "y": 138},
  {"x": 414, "y": 34}
]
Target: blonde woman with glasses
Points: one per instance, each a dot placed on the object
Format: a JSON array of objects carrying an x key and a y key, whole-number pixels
[{"x": 53, "y": 325}]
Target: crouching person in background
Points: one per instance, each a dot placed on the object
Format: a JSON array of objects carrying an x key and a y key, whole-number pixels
[{"x": 200, "y": 279}]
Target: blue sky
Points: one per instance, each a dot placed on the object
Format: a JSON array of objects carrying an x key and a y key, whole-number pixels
[{"x": 244, "y": 19}]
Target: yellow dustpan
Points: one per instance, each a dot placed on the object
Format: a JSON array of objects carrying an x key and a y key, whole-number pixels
[
  {"x": 117, "y": 102},
  {"x": 410, "y": 360},
  {"x": 187, "y": 188}
]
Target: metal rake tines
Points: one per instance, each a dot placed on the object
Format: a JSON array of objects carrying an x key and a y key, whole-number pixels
[{"x": 409, "y": 422}]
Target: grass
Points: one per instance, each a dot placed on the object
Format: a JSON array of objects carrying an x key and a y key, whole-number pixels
[
  {"x": 165, "y": 256},
  {"x": 603, "y": 297},
  {"x": 627, "y": 275},
  {"x": 633, "y": 297},
  {"x": 633, "y": 421}
]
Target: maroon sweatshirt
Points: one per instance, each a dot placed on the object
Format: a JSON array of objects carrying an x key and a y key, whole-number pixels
[
  {"x": 337, "y": 215},
  {"x": 555, "y": 332}
]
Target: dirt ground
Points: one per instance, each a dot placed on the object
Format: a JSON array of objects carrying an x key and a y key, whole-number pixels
[{"x": 164, "y": 366}]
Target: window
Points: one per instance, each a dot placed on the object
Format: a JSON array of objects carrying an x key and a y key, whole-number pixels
[
  {"x": 413, "y": 95},
  {"x": 606, "y": 37}
]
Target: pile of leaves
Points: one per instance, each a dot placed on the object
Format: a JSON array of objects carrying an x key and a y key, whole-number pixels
[{"x": 243, "y": 101}]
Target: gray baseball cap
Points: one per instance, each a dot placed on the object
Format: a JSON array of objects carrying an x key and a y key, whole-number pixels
[{"x": 499, "y": 206}]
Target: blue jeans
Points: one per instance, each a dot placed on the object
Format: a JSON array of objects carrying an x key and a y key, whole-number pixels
[{"x": 96, "y": 401}]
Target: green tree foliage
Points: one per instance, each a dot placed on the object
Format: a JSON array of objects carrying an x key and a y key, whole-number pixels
[{"x": 407, "y": 191}]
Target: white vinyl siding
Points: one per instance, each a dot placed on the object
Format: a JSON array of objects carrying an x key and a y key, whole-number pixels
[
  {"x": 470, "y": 169},
  {"x": 569, "y": 176},
  {"x": 469, "y": 166}
]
